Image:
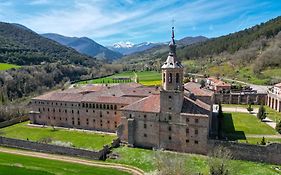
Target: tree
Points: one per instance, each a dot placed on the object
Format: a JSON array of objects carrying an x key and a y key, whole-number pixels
[
  {"x": 262, "y": 113},
  {"x": 249, "y": 108},
  {"x": 219, "y": 161},
  {"x": 263, "y": 141},
  {"x": 220, "y": 120},
  {"x": 202, "y": 83},
  {"x": 278, "y": 127}
]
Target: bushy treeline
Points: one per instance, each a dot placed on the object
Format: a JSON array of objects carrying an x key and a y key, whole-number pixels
[{"x": 19, "y": 45}]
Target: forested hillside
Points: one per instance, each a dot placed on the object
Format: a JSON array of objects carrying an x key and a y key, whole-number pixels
[
  {"x": 252, "y": 55},
  {"x": 19, "y": 45}
]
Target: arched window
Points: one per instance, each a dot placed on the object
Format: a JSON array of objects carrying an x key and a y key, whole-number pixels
[
  {"x": 164, "y": 77},
  {"x": 170, "y": 78},
  {"x": 177, "y": 77}
]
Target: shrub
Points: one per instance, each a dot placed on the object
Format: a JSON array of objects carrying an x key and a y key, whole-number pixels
[
  {"x": 278, "y": 127},
  {"x": 263, "y": 141},
  {"x": 249, "y": 108}
]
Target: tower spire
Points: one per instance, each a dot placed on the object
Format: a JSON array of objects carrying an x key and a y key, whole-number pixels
[{"x": 172, "y": 44}]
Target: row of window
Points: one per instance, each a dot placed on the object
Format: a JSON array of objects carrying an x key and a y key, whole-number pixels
[
  {"x": 99, "y": 106},
  {"x": 72, "y": 111},
  {"x": 84, "y": 105},
  {"x": 170, "y": 78},
  {"x": 78, "y": 121},
  {"x": 170, "y": 138},
  {"x": 170, "y": 129},
  {"x": 196, "y": 120}
]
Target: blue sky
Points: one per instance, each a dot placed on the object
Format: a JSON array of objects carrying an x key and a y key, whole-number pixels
[{"x": 110, "y": 21}]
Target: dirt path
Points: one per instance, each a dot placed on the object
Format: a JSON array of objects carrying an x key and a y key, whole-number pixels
[{"x": 129, "y": 169}]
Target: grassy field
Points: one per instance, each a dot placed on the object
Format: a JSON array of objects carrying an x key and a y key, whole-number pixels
[
  {"x": 271, "y": 113},
  {"x": 145, "y": 160},
  {"x": 248, "y": 123},
  {"x": 148, "y": 78},
  {"x": 6, "y": 66},
  {"x": 79, "y": 139},
  {"x": 11, "y": 164}
]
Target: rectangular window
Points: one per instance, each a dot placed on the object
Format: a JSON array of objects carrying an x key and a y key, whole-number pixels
[
  {"x": 170, "y": 138},
  {"x": 196, "y": 142},
  {"x": 196, "y": 131},
  {"x": 170, "y": 128},
  {"x": 187, "y": 141},
  {"x": 187, "y": 130},
  {"x": 144, "y": 125},
  {"x": 196, "y": 120},
  {"x": 145, "y": 135}
]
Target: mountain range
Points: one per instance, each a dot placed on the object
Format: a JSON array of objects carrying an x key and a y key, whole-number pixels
[
  {"x": 86, "y": 46},
  {"x": 22, "y": 46},
  {"x": 128, "y": 48}
]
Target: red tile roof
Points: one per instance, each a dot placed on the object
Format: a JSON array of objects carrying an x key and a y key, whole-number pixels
[
  {"x": 110, "y": 100},
  {"x": 278, "y": 85},
  {"x": 148, "y": 104},
  {"x": 196, "y": 90}
]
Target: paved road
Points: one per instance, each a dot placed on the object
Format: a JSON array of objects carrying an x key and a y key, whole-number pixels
[
  {"x": 129, "y": 169},
  {"x": 259, "y": 88}
]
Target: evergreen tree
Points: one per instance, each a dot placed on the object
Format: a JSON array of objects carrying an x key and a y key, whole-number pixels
[
  {"x": 262, "y": 113},
  {"x": 278, "y": 127}
]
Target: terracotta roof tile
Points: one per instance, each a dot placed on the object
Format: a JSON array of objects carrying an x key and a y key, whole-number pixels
[
  {"x": 148, "y": 104},
  {"x": 278, "y": 85},
  {"x": 196, "y": 90}
]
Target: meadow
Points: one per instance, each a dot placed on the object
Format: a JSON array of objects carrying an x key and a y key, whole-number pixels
[
  {"x": 147, "y": 78},
  {"x": 146, "y": 160},
  {"x": 6, "y": 66},
  {"x": 11, "y": 164},
  {"x": 78, "y": 139}
]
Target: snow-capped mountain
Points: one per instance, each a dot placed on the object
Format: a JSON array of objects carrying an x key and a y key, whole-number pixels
[
  {"x": 123, "y": 45},
  {"x": 127, "y": 48}
]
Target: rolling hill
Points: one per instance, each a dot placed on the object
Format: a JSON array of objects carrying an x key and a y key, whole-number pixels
[
  {"x": 251, "y": 55},
  {"x": 86, "y": 46},
  {"x": 20, "y": 45},
  {"x": 154, "y": 52}
]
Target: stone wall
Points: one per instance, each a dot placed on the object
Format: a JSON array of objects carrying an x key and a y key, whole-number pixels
[
  {"x": 13, "y": 121},
  {"x": 54, "y": 149},
  {"x": 237, "y": 98},
  {"x": 270, "y": 153}
]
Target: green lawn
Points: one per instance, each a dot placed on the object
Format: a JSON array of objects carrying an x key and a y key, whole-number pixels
[
  {"x": 245, "y": 122},
  {"x": 6, "y": 66},
  {"x": 11, "y": 164},
  {"x": 145, "y": 160},
  {"x": 79, "y": 139},
  {"x": 272, "y": 114},
  {"x": 145, "y": 78}
]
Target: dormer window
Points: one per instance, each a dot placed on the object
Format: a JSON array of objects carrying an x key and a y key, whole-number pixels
[{"x": 171, "y": 64}]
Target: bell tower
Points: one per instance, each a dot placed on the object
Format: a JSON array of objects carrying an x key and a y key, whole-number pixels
[
  {"x": 171, "y": 95},
  {"x": 172, "y": 70}
]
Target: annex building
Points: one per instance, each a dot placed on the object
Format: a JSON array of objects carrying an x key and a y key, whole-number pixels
[{"x": 170, "y": 117}]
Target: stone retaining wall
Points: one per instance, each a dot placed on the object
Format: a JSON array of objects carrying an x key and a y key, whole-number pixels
[
  {"x": 14, "y": 121},
  {"x": 54, "y": 149},
  {"x": 270, "y": 153}
]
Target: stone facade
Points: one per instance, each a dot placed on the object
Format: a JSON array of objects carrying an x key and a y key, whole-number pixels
[
  {"x": 274, "y": 98},
  {"x": 260, "y": 153},
  {"x": 169, "y": 117},
  {"x": 172, "y": 120},
  {"x": 54, "y": 149},
  {"x": 240, "y": 98}
]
